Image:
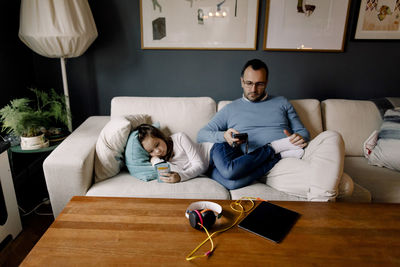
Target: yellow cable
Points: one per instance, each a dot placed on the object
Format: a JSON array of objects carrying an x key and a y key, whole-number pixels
[
  {"x": 188, "y": 257},
  {"x": 209, "y": 237}
]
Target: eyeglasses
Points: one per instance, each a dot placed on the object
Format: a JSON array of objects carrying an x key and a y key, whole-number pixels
[{"x": 259, "y": 85}]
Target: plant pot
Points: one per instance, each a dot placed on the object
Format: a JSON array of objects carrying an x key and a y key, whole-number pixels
[{"x": 35, "y": 142}]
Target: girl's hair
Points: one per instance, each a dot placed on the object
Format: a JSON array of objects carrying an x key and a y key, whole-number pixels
[{"x": 145, "y": 130}]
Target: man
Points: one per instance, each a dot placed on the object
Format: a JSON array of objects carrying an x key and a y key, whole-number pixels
[{"x": 266, "y": 119}]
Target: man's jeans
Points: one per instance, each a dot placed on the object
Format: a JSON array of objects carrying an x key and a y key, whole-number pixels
[{"x": 233, "y": 169}]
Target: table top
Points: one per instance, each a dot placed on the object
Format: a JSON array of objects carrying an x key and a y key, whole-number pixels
[
  {"x": 54, "y": 142},
  {"x": 141, "y": 231},
  {"x": 18, "y": 149}
]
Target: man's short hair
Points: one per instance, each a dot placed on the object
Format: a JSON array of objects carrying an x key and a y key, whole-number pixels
[{"x": 256, "y": 64}]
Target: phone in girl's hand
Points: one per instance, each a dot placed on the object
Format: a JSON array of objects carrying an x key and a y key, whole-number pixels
[{"x": 162, "y": 167}]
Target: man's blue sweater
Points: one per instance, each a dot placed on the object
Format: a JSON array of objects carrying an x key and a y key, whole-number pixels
[{"x": 263, "y": 121}]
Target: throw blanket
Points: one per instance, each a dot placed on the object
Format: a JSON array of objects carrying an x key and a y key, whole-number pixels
[
  {"x": 391, "y": 125},
  {"x": 383, "y": 149},
  {"x": 382, "y": 105}
]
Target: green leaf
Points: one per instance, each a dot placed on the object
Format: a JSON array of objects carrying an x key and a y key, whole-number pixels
[{"x": 25, "y": 117}]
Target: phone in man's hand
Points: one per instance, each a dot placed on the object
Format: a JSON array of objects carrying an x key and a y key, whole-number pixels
[{"x": 240, "y": 136}]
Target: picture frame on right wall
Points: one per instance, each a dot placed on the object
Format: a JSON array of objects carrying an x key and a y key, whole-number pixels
[
  {"x": 378, "y": 19},
  {"x": 306, "y": 25}
]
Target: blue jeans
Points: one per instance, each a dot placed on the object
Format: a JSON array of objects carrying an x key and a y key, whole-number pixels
[{"x": 233, "y": 169}]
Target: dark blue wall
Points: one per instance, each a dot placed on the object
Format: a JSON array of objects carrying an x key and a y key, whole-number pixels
[
  {"x": 16, "y": 66},
  {"x": 115, "y": 65}
]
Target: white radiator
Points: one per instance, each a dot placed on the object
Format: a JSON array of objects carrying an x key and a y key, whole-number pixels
[{"x": 10, "y": 222}]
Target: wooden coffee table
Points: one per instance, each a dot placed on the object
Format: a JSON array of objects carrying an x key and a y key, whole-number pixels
[{"x": 154, "y": 232}]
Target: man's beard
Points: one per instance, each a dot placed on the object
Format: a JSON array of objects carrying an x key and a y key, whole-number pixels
[{"x": 258, "y": 98}]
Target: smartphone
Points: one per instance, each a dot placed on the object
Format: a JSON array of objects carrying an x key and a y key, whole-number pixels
[
  {"x": 240, "y": 136},
  {"x": 161, "y": 167}
]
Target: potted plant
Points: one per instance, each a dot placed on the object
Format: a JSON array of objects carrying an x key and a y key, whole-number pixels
[{"x": 31, "y": 119}]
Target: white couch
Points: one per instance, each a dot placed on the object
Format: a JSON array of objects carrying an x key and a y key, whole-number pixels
[{"x": 69, "y": 169}]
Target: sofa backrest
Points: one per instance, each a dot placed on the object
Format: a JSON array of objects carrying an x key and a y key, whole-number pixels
[
  {"x": 176, "y": 114},
  {"x": 309, "y": 111},
  {"x": 355, "y": 120},
  {"x": 394, "y": 100}
]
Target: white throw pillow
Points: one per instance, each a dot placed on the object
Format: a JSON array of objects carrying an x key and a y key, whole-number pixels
[{"x": 111, "y": 144}]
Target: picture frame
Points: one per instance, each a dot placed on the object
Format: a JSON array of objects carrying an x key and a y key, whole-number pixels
[
  {"x": 193, "y": 24},
  {"x": 306, "y": 25},
  {"x": 378, "y": 19}
]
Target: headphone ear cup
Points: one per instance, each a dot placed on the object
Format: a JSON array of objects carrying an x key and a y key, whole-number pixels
[
  {"x": 194, "y": 220},
  {"x": 208, "y": 218}
]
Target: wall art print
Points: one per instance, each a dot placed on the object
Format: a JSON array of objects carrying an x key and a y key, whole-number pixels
[
  {"x": 378, "y": 19},
  {"x": 306, "y": 25},
  {"x": 199, "y": 24}
]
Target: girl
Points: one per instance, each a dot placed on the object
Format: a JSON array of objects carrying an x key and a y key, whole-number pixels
[{"x": 188, "y": 159}]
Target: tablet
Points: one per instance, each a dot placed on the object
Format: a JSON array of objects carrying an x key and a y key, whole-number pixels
[{"x": 270, "y": 221}]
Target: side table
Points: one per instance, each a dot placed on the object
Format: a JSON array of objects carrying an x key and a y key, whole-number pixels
[
  {"x": 10, "y": 221},
  {"x": 27, "y": 171}
]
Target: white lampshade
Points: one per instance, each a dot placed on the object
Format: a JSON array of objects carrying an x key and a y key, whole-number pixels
[{"x": 57, "y": 28}]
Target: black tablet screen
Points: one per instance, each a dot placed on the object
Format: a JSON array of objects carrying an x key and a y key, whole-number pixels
[{"x": 270, "y": 221}]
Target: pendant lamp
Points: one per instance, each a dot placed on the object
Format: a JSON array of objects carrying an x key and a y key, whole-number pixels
[{"x": 57, "y": 29}]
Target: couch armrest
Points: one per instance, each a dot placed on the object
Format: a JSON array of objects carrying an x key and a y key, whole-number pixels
[{"x": 68, "y": 170}]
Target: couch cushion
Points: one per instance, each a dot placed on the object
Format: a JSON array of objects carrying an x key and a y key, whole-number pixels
[
  {"x": 263, "y": 191},
  {"x": 309, "y": 112},
  {"x": 176, "y": 114},
  {"x": 124, "y": 185},
  {"x": 359, "y": 195},
  {"x": 355, "y": 120},
  {"x": 111, "y": 144},
  {"x": 383, "y": 183}
]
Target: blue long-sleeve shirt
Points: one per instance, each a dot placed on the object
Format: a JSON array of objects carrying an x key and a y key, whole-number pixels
[{"x": 263, "y": 121}]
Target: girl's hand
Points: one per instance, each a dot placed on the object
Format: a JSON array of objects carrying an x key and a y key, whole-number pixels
[{"x": 170, "y": 177}]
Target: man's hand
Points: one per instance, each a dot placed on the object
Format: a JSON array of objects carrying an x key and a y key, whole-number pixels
[
  {"x": 228, "y": 137},
  {"x": 296, "y": 139}
]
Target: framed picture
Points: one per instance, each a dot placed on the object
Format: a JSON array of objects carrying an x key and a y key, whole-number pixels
[
  {"x": 199, "y": 24},
  {"x": 306, "y": 25},
  {"x": 378, "y": 19}
]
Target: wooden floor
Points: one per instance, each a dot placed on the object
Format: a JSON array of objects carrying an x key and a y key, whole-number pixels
[{"x": 33, "y": 227}]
